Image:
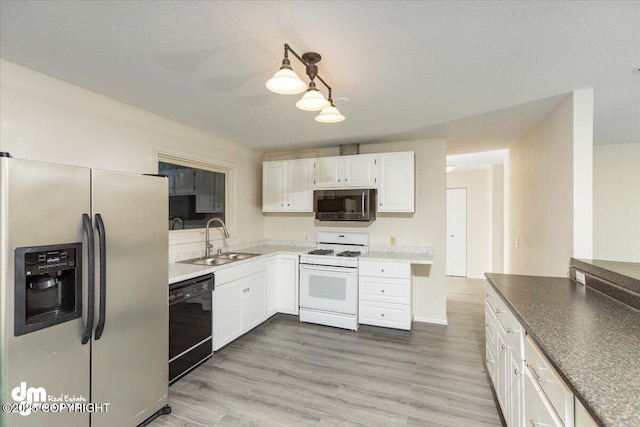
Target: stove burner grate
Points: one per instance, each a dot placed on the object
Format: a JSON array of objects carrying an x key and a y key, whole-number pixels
[
  {"x": 350, "y": 254},
  {"x": 320, "y": 252}
]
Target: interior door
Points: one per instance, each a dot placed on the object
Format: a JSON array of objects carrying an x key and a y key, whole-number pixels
[
  {"x": 41, "y": 204},
  {"x": 457, "y": 232},
  {"x": 129, "y": 361}
]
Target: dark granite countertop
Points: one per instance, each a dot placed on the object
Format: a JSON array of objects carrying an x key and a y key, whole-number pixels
[{"x": 592, "y": 340}]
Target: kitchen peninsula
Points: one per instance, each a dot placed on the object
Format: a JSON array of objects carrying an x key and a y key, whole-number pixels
[{"x": 591, "y": 339}]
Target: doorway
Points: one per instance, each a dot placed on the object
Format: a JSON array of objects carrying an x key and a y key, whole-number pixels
[{"x": 457, "y": 232}]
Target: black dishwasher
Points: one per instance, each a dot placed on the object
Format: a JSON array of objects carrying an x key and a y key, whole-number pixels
[{"x": 190, "y": 325}]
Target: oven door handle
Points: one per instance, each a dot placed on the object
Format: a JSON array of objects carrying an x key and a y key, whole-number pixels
[{"x": 348, "y": 270}]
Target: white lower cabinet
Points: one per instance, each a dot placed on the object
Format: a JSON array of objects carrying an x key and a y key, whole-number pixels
[
  {"x": 529, "y": 391},
  {"x": 254, "y": 300},
  {"x": 551, "y": 388},
  {"x": 536, "y": 409},
  {"x": 239, "y": 301},
  {"x": 504, "y": 340},
  {"x": 385, "y": 294},
  {"x": 248, "y": 294},
  {"x": 282, "y": 284},
  {"x": 516, "y": 386},
  {"x": 227, "y": 313}
]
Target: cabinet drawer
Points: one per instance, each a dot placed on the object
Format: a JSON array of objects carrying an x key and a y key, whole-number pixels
[
  {"x": 399, "y": 270},
  {"x": 549, "y": 382},
  {"x": 490, "y": 295},
  {"x": 515, "y": 332},
  {"x": 385, "y": 290},
  {"x": 537, "y": 412},
  {"x": 396, "y": 316},
  {"x": 235, "y": 272},
  {"x": 490, "y": 325}
]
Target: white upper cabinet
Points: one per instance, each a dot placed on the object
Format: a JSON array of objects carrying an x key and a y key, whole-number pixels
[
  {"x": 361, "y": 171},
  {"x": 397, "y": 182},
  {"x": 357, "y": 171},
  {"x": 299, "y": 188},
  {"x": 287, "y": 186},
  {"x": 329, "y": 172}
]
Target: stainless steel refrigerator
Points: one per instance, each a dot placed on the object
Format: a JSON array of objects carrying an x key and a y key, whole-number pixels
[{"x": 83, "y": 296}]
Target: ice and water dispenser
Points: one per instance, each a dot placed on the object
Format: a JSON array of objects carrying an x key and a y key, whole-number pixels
[{"x": 48, "y": 286}]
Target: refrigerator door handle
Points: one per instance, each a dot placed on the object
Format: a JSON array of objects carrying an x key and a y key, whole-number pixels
[
  {"x": 103, "y": 276},
  {"x": 86, "y": 225}
]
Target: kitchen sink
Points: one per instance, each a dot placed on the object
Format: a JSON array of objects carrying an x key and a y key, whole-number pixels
[
  {"x": 221, "y": 259},
  {"x": 235, "y": 255}
]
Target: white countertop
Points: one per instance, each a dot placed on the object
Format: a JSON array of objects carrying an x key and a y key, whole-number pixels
[{"x": 179, "y": 271}]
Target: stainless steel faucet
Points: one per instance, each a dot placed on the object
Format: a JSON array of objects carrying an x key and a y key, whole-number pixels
[{"x": 207, "y": 244}]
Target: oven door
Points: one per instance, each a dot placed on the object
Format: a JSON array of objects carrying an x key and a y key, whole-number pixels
[{"x": 332, "y": 289}]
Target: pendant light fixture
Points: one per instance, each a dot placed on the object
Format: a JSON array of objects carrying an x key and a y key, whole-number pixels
[
  {"x": 313, "y": 100},
  {"x": 285, "y": 81},
  {"x": 329, "y": 114}
]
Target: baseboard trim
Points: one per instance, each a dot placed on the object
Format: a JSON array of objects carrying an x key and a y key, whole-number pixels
[{"x": 430, "y": 320}]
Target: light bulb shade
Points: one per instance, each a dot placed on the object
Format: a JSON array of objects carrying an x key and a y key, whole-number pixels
[
  {"x": 286, "y": 82},
  {"x": 313, "y": 100},
  {"x": 329, "y": 115}
]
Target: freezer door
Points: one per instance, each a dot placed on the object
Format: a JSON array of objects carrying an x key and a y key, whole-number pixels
[
  {"x": 41, "y": 204},
  {"x": 129, "y": 361}
]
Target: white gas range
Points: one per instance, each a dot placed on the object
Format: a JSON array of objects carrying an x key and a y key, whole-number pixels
[{"x": 329, "y": 279}]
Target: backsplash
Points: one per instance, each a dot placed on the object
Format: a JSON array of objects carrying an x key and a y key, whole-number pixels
[{"x": 302, "y": 244}]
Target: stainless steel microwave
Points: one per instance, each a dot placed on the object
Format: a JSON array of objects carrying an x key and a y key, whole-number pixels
[{"x": 345, "y": 205}]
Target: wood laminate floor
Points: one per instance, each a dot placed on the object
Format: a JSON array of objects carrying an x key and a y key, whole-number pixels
[{"x": 284, "y": 373}]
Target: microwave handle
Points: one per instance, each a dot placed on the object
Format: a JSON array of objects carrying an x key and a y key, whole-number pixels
[{"x": 363, "y": 212}]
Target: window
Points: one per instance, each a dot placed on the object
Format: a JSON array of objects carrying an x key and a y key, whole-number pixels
[{"x": 197, "y": 193}]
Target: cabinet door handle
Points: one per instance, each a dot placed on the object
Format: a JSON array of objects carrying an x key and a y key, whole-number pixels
[
  {"x": 516, "y": 371},
  {"x": 489, "y": 361},
  {"x": 382, "y": 314},
  {"x": 498, "y": 311},
  {"x": 382, "y": 270},
  {"x": 488, "y": 325},
  {"x": 504, "y": 347},
  {"x": 509, "y": 330},
  {"x": 382, "y": 291},
  {"x": 486, "y": 294},
  {"x": 338, "y": 179},
  {"x": 537, "y": 377}
]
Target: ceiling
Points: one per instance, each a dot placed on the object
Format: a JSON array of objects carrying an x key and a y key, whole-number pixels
[{"x": 477, "y": 73}]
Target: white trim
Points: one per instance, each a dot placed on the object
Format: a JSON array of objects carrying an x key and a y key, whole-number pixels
[{"x": 430, "y": 320}]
